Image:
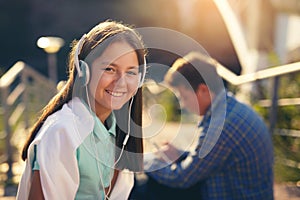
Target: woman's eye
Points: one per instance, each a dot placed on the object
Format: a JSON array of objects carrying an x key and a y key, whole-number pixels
[
  {"x": 109, "y": 69},
  {"x": 132, "y": 72}
]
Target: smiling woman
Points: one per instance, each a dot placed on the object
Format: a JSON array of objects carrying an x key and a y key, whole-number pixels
[{"x": 82, "y": 146}]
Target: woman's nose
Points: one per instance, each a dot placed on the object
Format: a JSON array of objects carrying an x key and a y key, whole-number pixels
[{"x": 121, "y": 79}]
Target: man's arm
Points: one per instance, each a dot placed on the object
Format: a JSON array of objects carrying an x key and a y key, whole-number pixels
[{"x": 191, "y": 169}]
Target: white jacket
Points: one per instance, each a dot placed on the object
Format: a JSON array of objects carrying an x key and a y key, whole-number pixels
[{"x": 59, "y": 137}]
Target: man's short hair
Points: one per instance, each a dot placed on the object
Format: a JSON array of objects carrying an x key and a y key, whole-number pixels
[{"x": 192, "y": 70}]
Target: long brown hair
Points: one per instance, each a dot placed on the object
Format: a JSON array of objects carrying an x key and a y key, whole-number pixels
[{"x": 104, "y": 33}]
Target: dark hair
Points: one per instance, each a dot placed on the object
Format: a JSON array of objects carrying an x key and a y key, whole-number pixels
[
  {"x": 104, "y": 33},
  {"x": 192, "y": 70}
]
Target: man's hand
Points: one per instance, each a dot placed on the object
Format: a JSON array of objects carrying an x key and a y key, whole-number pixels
[{"x": 168, "y": 153}]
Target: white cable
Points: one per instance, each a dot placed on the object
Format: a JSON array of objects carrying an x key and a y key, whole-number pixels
[
  {"x": 99, "y": 170},
  {"x": 88, "y": 99},
  {"x": 125, "y": 139},
  {"x": 128, "y": 133},
  {"x": 123, "y": 144},
  {"x": 95, "y": 154}
]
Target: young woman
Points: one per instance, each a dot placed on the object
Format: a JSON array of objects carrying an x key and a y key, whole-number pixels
[{"x": 88, "y": 139}]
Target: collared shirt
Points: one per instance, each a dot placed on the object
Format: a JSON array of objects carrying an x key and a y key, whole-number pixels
[
  {"x": 233, "y": 158},
  {"x": 95, "y": 157},
  {"x": 57, "y": 143}
]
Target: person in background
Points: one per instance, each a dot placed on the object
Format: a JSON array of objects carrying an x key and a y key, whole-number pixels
[
  {"x": 234, "y": 155},
  {"x": 81, "y": 146}
]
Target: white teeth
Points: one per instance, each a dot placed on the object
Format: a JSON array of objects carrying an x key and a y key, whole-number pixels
[{"x": 115, "y": 94}]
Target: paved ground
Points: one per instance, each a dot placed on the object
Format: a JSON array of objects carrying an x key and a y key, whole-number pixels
[
  {"x": 286, "y": 192},
  {"x": 281, "y": 192}
]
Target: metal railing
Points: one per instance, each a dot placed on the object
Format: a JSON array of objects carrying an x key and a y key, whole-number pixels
[
  {"x": 274, "y": 102},
  {"x": 23, "y": 94},
  {"x": 245, "y": 55}
]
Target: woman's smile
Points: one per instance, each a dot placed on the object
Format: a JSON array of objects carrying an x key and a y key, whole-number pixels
[{"x": 115, "y": 93}]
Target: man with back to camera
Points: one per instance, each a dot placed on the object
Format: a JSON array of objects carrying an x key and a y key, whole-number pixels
[{"x": 234, "y": 155}]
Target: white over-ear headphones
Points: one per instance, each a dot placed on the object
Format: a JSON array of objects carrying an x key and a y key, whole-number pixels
[
  {"x": 84, "y": 71},
  {"x": 81, "y": 66}
]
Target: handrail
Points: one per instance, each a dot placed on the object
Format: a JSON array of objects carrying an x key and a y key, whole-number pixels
[
  {"x": 244, "y": 53},
  {"x": 247, "y": 58},
  {"x": 11, "y": 74},
  {"x": 22, "y": 91},
  {"x": 280, "y": 102},
  {"x": 259, "y": 75}
]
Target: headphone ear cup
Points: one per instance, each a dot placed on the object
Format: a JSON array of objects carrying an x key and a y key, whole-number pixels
[
  {"x": 140, "y": 80},
  {"x": 142, "y": 74},
  {"x": 85, "y": 78}
]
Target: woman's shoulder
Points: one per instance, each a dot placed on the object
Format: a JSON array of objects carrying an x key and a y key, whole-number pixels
[{"x": 73, "y": 121}]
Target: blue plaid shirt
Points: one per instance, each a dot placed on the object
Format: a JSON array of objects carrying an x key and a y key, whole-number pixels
[{"x": 233, "y": 158}]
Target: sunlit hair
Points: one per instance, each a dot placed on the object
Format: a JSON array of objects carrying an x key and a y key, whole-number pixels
[
  {"x": 192, "y": 70},
  {"x": 102, "y": 34}
]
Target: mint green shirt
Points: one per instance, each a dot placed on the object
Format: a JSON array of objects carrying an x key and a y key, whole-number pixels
[{"x": 95, "y": 157}]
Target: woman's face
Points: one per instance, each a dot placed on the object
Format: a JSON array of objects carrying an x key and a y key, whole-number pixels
[{"x": 114, "y": 77}]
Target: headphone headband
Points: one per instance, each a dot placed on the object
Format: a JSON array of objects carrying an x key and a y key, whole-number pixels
[{"x": 77, "y": 52}]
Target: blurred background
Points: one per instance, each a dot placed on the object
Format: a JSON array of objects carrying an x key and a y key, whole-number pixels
[
  {"x": 245, "y": 36},
  {"x": 23, "y": 23}
]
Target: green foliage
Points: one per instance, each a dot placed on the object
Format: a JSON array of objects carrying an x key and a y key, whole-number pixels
[
  {"x": 166, "y": 100},
  {"x": 171, "y": 105},
  {"x": 288, "y": 117},
  {"x": 286, "y": 148},
  {"x": 290, "y": 86}
]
